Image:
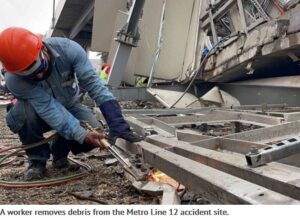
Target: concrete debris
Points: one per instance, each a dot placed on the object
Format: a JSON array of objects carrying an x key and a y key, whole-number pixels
[
  {"x": 220, "y": 98},
  {"x": 169, "y": 97}
]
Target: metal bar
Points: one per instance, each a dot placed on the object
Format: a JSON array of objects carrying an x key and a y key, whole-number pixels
[
  {"x": 188, "y": 135},
  {"x": 123, "y": 161},
  {"x": 119, "y": 65},
  {"x": 127, "y": 37},
  {"x": 213, "y": 184},
  {"x": 53, "y": 15},
  {"x": 159, "y": 47},
  {"x": 159, "y": 126},
  {"x": 224, "y": 144},
  {"x": 164, "y": 126},
  {"x": 219, "y": 13},
  {"x": 58, "y": 11},
  {"x": 194, "y": 119},
  {"x": 140, "y": 127},
  {"x": 260, "y": 10},
  {"x": 160, "y": 112},
  {"x": 134, "y": 16},
  {"x": 264, "y": 135},
  {"x": 256, "y": 119},
  {"x": 289, "y": 117},
  {"x": 242, "y": 15},
  {"x": 220, "y": 115},
  {"x": 277, "y": 177},
  {"x": 205, "y": 14},
  {"x": 132, "y": 94},
  {"x": 257, "y": 157},
  {"x": 116, "y": 154},
  {"x": 267, "y": 107},
  {"x": 212, "y": 25}
]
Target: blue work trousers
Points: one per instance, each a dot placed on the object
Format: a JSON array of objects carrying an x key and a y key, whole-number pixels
[{"x": 22, "y": 119}]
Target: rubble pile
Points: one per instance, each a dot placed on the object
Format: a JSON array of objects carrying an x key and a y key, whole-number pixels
[{"x": 138, "y": 104}]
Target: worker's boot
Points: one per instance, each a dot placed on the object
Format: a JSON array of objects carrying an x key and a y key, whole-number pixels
[
  {"x": 118, "y": 127},
  {"x": 60, "y": 150},
  {"x": 35, "y": 171},
  {"x": 61, "y": 163}
]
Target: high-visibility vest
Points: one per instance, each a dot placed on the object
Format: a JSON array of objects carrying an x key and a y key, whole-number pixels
[
  {"x": 141, "y": 82},
  {"x": 104, "y": 74}
]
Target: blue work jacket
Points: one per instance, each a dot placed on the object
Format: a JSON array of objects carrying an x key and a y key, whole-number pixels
[{"x": 52, "y": 97}]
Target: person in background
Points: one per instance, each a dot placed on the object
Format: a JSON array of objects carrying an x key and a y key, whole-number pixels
[
  {"x": 45, "y": 77},
  {"x": 105, "y": 71},
  {"x": 2, "y": 83},
  {"x": 142, "y": 81}
]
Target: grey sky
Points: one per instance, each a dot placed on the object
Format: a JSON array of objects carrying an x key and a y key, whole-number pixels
[{"x": 34, "y": 15}]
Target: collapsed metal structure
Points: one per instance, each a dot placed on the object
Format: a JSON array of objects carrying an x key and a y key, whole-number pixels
[
  {"x": 204, "y": 149},
  {"x": 253, "y": 49}
]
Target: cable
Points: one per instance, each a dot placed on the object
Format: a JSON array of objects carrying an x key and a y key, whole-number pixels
[
  {"x": 196, "y": 72},
  {"x": 39, "y": 183},
  {"x": 160, "y": 44}
]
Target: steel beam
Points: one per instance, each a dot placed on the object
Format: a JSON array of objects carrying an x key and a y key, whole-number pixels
[
  {"x": 270, "y": 134},
  {"x": 277, "y": 177},
  {"x": 82, "y": 21},
  {"x": 132, "y": 94},
  {"x": 257, "y": 157},
  {"x": 289, "y": 117},
  {"x": 257, "y": 119},
  {"x": 188, "y": 135},
  {"x": 60, "y": 6},
  {"x": 159, "y": 126},
  {"x": 196, "y": 119},
  {"x": 217, "y": 186},
  {"x": 219, "y": 13},
  {"x": 262, "y": 107},
  {"x": 242, "y": 15},
  {"x": 128, "y": 37},
  {"x": 140, "y": 127},
  {"x": 161, "y": 112},
  {"x": 224, "y": 144},
  {"x": 212, "y": 26},
  {"x": 218, "y": 115},
  {"x": 119, "y": 65}
]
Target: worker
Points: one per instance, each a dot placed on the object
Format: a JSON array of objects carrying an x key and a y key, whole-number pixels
[
  {"x": 44, "y": 75},
  {"x": 105, "y": 71},
  {"x": 2, "y": 83},
  {"x": 142, "y": 81}
]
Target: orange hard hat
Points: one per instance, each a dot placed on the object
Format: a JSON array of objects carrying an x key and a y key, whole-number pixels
[{"x": 19, "y": 48}]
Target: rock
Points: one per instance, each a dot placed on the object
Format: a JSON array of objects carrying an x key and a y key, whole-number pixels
[
  {"x": 87, "y": 194},
  {"x": 110, "y": 162}
]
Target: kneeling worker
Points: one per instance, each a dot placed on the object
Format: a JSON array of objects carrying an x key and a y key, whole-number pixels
[{"x": 44, "y": 75}]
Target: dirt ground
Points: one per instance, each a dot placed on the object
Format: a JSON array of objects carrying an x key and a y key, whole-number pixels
[
  {"x": 106, "y": 184},
  {"x": 102, "y": 185}
]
